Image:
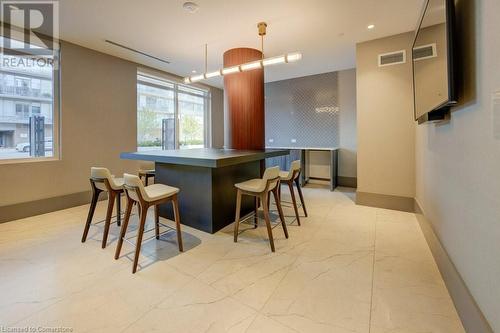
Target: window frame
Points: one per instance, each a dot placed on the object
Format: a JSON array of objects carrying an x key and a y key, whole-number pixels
[
  {"x": 56, "y": 115},
  {"x": 173, "y": 85}
]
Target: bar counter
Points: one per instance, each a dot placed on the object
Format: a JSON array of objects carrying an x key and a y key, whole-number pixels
[{"x": 206, "y": 178}]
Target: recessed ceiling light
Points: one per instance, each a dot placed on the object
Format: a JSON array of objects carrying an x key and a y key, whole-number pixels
[
  {"x": 193, "y": 71},
  {"x": 191, "y": 7},
  {"x": 371, "y": 26}
]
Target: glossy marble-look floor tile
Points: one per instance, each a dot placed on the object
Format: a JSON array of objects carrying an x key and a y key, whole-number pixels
[
  {"x": 409, "y": 294},
  {"x": 347, "y": 268}
]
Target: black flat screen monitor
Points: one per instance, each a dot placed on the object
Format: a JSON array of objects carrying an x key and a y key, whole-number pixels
[{"x": 433, "y": 61}]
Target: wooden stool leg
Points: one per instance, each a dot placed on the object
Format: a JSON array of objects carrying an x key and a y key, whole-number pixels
[
  {"x": 280, "y": 210},
  {"x": 290, "y": 186},
  {"x": 157, "y": 222},
  {"x": 144, "y": 212},
  {"x": 177, "y": 217},
  {"x": 265, "y": 205},
  {"x": 93, "y": 204},
  {"x": 301, "y": 197},
  {"x": 123, "y": 230},
  {"x": 118, "y": 209},
  {"x": 237, "y": 218},
  {"x": 256, "y": 213},
  {"x": 109, "y": 213}
]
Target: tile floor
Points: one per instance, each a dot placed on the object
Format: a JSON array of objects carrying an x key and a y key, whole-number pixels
[{"x": 348, "y": 268}]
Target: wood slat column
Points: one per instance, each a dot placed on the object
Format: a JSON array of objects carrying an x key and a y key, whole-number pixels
[{"x": 244, "y": 102}]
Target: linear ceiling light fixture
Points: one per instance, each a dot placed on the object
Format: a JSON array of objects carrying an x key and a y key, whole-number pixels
[{"x": 264, "y": 62}]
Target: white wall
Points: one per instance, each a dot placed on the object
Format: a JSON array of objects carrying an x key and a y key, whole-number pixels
[{"x": 458, "y": 170}]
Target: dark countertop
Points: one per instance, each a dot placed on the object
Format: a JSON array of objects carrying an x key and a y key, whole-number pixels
[
  {"x": 204, "y": 157},
  {"x": 305, "y": 148}
]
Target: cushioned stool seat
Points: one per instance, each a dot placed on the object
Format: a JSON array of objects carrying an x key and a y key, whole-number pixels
[
  {"x": 159, "y": 191},
  {"x": 252, "y": 185},
  {"x": 285, "y": 175}
]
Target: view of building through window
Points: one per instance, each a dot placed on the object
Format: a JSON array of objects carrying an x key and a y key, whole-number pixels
[
  {"x": 170, "y": 115},
  {"x": 26, "y": 106}
]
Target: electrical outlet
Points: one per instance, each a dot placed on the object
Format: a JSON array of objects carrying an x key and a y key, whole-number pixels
[
  {"x": 271, "y": 140},
  {"x": 294, "y": 140}
]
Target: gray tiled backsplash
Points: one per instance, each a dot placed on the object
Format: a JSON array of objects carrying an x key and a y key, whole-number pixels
[{"x": 303, "y": 112}]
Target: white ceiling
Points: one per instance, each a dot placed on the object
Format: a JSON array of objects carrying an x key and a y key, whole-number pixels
[{"x": 325, "y": 31}]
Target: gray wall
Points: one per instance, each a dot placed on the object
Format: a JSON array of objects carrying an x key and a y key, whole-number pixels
[
  {"x": 458, "y": 163},
  {"x": 98, "y": 121},
  {"x": 291, "y": 113}
]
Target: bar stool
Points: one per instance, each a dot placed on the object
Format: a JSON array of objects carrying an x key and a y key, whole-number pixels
[
  {"x": 261, "y": 188},
  {"x": 145, "y": 197},
  {"x": 146, "y": 174},
  {"x": 146, "y": 171},
  {"x": 101, "y": 180},
  {"x": 290, "y": 177}
]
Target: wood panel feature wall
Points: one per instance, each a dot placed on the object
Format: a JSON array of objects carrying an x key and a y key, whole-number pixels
[{"x": 244, "y": 99}]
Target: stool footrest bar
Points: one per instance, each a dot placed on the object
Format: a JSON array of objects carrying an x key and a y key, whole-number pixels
[{"x": 127, "y": 239}]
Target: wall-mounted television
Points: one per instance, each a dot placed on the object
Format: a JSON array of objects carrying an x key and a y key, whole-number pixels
[{"x": 433, "y": 60}]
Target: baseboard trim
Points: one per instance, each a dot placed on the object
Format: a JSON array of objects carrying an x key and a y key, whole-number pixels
[
  {"x": 347, "y": 181},
  {"x": 470, "y": 314},
  {"x": 393, "y": 202},
  {"x": 42, "y": 206}
]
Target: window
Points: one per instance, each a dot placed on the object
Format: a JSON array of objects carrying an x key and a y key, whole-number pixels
[
  {"x": 35, "y": 109},
  {"x": 192, "y": 117},
  {"x": 28, "y": 106},
  {"x": 171, "y": 115},
  {"x": 22, "y": 109}
]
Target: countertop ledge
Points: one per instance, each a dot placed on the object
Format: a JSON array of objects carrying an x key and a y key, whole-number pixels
[
  {"x": 306, "y": 148},
  {"x": 204, "y": 157}
]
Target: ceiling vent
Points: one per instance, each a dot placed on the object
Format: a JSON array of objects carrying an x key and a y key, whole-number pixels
[
  {"x": 136, "y": 51},
  {"x": 392, "y": 58},
  {"x": 424, "y": 52}
]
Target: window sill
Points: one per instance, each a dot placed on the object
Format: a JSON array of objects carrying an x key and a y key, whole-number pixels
[{"x": 30, "y": 160}]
